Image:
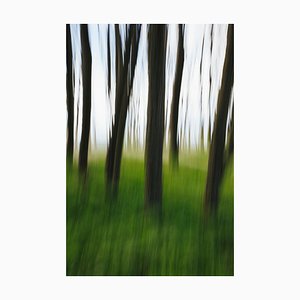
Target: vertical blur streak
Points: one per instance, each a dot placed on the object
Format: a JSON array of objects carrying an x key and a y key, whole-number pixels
[
  {"x": 109, "y": 164},
  {"x": 175, "y": 100},
  {"x": 157, "y": 41},
  {"x": 210, "y": 83},
  {"x": 231, "y": 133},
  {"x": 86, "y": 105},
  {"x": 122, "y": 100},
  {"x": 201, "y": 99},
  {"x": 108, "y": 62},
  {"x": 229, "y": 139},
  {"x": 70, "y": 97},
  {"x": 133, "y": 39},
  {"x": 77, "y": 111},
  {"x": 216, "y": 152}
]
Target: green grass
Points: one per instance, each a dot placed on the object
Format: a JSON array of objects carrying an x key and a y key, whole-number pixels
[{"x": 120, "y": 239}]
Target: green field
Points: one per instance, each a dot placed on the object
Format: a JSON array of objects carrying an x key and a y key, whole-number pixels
[{"x": 120, "y": 239}]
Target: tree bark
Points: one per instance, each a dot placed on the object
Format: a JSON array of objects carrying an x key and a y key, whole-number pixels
[
  {"x": 216, "y": 152},
  {"x": 230, "y": 141},
  {"x": 109, "y": 163},
  {"x": 134, "y": 36},
  {"x": 70, "y": 97},
  {"x": 86, "y": 106},
  {"x": 157, "y": 40},
  {"x": 231, "y": 134},
  {"x": 108, "y": 62},
  {"x": 209, "y": 95},
  {"x": 175, "y": 100}
]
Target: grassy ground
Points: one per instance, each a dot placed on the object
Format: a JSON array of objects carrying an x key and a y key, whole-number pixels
[{"x": 120, "y": 239}]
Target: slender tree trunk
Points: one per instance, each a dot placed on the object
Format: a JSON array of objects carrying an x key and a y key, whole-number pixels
[
  {"x": 209, "y": 128},
  {"x": 86, "y": 106},
  {"x": 201, "y": 99},
  {"x": 231, "y": 134},
  {"x": 77, "y": 113},
  {"x": 230, "y": 141},
  {"x": 210, "y": 84},
  {"x": 157, "y": 40},
  {"x": 216, "y": 152},
  {"x": 70, "y": 98},
  {"x": 134, "y": 36},
  {"x": 202, "y": 137},
  {"x": 175, "y": 100},
  {"x": 108, "y": 62},
  {"x": 109, "y": 164}
]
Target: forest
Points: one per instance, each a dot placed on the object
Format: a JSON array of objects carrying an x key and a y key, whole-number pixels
[{"x": 149, "y": 149}]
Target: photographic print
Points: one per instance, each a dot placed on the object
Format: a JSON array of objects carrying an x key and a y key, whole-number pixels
[{"x": 149, "y": 149}]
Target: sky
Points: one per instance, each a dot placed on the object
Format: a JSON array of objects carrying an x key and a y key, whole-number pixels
[{"x": 195, "y": 106}]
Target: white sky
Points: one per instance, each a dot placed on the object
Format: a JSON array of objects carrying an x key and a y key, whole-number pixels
[{"x": 191, "y": 112}]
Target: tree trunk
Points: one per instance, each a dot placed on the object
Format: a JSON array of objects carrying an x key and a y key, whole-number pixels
[
  {"x": 216, "y": 152},
  {"x": 230, "y": 141},
  {"x": 134, "y": 35},
  {"x": 231, "y": 135},
  {"x": 209, "y": 94},
  {"x": 70, "y": 98},
  {"x": 86, "y": 106},
  {"x": 175, "y": 100},
  {"x": 108, "y": 62},
  {"x": 157, "y": 40},
  {"x": 109, "y": 163}
]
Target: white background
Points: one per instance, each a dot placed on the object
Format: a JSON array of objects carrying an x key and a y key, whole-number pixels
[{"x": 32, "y": 150}]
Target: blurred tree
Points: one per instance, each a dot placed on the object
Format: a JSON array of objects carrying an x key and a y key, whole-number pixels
[
  {"x": 77, "y": 111},
  {"x": 157, "y": 41},
  {"x": 201, "y": 98},
  {"x": 123, "y": 92},
  {"x": 201, "y": 136},
  {"x": 210, "y": 85},
  {"x": 216, "y": 152},
  {"x": 175, "y": 100},
  {"x": 86, "y": 66},
  {"x": 109, "y": 163},
  {"x": 108, "y": 62},
  {"x": 230, "y": 139},
  {"x": 70, "y": 97},
  {"x": 231, "y": 134},
  {"x": 134, "y": 36}
]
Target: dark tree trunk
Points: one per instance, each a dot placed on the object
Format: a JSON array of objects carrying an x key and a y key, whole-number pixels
[
  {"x": 231, "y": 134},
  {"x": 175, "y": 100},
  {"x": 77, "y": 113},
  {"x": 157, "y": 39},
  {"x": 134, "y": 36},
  {"x": 86, "y": 106},
  {"x": 201, "y": 99},
  {"x": 230, "y": 141},
  {"x": 216, "y": 152},
  {"x": 202, "y": 137},
  {"x": 209, "y": 95},
  {"x": 109, "y": 164},
  {"x": 209, "y": 129},
  {"x": 108, "y": 62},
  {"x": 70, "y": 97}
]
